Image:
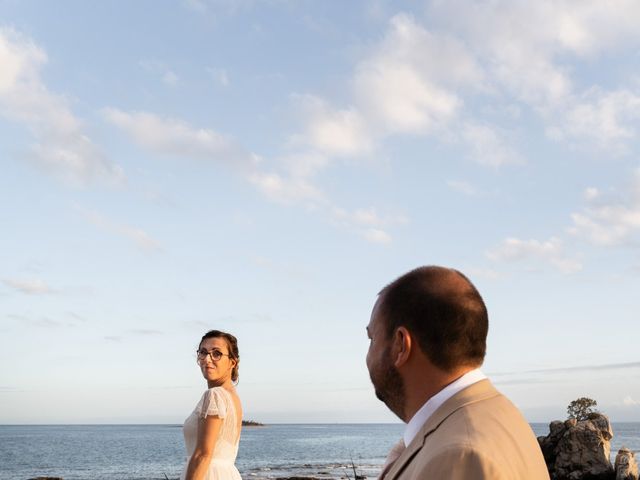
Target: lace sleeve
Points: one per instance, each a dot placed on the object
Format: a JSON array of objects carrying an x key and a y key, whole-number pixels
[{"x": 212, "y": 403}]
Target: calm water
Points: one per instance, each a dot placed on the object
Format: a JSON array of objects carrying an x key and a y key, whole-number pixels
[{"x": 145, "y": 452}]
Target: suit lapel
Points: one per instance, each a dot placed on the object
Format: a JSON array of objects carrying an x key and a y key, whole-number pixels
[
  {"x": 478, "y": 391},
  {"x": 405, "y": 457}
]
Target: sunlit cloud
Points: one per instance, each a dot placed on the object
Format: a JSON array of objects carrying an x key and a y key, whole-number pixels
[
  {"x": 488, "y": 147},
  {"x": 176, "y": 137},
  {"x": 486, "y": 273},
  {"x": 137, "y": 235},
  {"x": 332, "y": 131},
  {"x": 292, "y": 183},
  {"x": 375, "y": 235},
  {"x": 166, "y": 74},
  {"x": 220, "y": 76},
  {"x": 610, "y": 220},
  {"x": 62, "y": 146},
  {"x": 463, "y": 187},
  {"x": 32, "y": 286},
  {"x": 608, "y": 120},
  {"x": 550, "y": 251},
  {"x": 372, "y": 226},
  {"x": 286, "y": 190},
  {"x": 530, "y": 65},
  {"x": 409, "y": 82}
]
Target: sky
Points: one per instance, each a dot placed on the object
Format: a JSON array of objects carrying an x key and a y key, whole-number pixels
[{"x": 266, "y": 167}]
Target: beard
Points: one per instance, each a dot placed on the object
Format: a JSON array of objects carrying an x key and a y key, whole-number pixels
[{"x": 389, "y": 388}]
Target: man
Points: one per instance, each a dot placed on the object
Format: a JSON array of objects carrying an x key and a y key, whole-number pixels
[{"x": 428, "y": 334}]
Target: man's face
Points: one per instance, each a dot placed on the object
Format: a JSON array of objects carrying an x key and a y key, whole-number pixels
[{"x": 386, "y": 379}]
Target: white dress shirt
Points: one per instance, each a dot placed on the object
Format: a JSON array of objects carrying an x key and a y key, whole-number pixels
[{"x": 422, "y": 415}]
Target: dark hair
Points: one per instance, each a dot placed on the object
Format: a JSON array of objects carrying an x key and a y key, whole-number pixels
[
  {"x": 232, "y": 343},
  {"x": 443, "y": 310}
]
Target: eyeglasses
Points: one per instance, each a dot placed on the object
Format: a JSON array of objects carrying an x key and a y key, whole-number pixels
[{"x": 215, "y": 354}]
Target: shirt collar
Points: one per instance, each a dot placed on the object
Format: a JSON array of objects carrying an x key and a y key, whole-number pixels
[{"x": 422, "y": 415}]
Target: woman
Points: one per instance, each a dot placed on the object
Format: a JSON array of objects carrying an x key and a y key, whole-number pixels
[{"x": 212, "y": 431}]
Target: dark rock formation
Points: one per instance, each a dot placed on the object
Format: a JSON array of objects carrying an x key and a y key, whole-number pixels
[
  {"x": 625, "y": 465},
  {"x": 251, "y": 423},
  {"x": 579, "y": 450}
]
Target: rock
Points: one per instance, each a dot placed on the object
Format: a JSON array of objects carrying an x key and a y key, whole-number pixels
[
  {"x": 602, "y": 423},
  {"x": 579, "y": 450},
  {"x": 625, "y": 465},
  {"x": 549, "y": 443},
  {"x": 571, "y": 422}
]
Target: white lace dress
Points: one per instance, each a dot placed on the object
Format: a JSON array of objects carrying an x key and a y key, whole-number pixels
[{"x": 215, "y": 401}]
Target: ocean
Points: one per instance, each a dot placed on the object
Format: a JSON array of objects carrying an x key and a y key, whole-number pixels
[{"x": 149, "y": 452}]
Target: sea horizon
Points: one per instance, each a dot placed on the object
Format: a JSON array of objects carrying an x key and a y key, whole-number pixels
[
  {"x": 262, "y": 424},
  {"x": 149, "y": 451}
]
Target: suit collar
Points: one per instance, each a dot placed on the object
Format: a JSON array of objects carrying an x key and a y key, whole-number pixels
[
  {"x": 481, "y": 390},
  {"x": 431, "y": 406}
]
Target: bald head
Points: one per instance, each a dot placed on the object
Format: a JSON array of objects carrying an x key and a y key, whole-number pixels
[{"x": 442, "y": 309}]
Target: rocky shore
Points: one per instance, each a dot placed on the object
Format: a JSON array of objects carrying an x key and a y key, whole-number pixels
[{"x": 581, "y": 450}]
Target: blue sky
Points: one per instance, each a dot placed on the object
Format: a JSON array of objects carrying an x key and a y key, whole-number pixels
[{"x": 267, "y": 167}]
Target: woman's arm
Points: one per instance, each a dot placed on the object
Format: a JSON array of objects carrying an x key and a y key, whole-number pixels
[{"x": 208, "y": 430}]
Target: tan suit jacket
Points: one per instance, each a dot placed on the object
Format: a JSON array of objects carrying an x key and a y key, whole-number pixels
[{"x": 477, "y": 434}]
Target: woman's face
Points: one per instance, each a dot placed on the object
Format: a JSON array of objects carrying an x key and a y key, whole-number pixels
[{"x": 216, "y": 372}]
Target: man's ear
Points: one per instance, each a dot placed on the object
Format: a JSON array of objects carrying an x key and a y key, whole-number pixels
[{"x": 402, "y": 344}]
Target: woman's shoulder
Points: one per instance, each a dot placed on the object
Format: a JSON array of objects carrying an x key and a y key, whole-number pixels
[
  {"x": 218, "y": 394},
  {"x": 218, "y": 391},
  {"x": 215, "y": 401}
]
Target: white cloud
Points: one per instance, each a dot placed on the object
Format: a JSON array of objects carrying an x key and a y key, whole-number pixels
[
  {"x": 367, "y": 217},
  {"x": 524, "y": 41},
  {"x": 550, "y": 251},
  {"x": 375, "y": 235},
  {"x": 196, "y": 5},
  {"x": 403, "y": 101},
  {"x": 171, "y": 136},
  {"x": 606, "y": 119},
  {"x": 486, "y": 273},
  {"x": 332, "y": 131},
  {"x": 33, "y": 286},
  {"x": 293, "y": 190},
  {"x": 628, "y": 401},
  {"x": 141, "y": 238},
  {"x": 412, "y": 82},
  {"x": 170, "y": 78},
  {"x": 304, "y": 164},
  {"x": 294, "y": 186},
  {"x": 286, "y": 190},
  {"x": 527, "y": 49},
  {"x": 166, "y": 74},
  {"x": 62, "y": 147},
  {"x": 610, "y": 221},
  {"x": 407, "y": 83},
  {"x": 368, "y": 223},
  {"x": 218, "y": 6},
  {"x": 220, "y": 75},
  {"x": 591, "y": 193},
  {"x": 487, "y": 146},
  {"x": 463, "y": 187}
]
